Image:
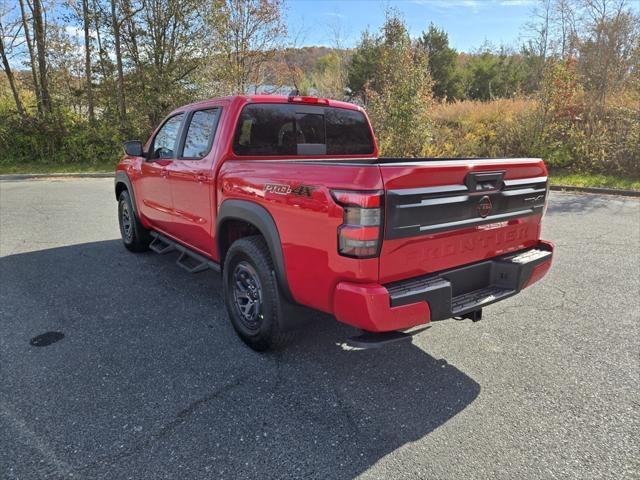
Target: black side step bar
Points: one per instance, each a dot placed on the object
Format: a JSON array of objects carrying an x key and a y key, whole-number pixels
[
  {"x": 191, "y": 261},
  {"x": 161, "y": 244}
]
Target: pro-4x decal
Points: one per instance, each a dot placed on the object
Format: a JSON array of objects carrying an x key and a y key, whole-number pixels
[{"x": 300, "y": 189}]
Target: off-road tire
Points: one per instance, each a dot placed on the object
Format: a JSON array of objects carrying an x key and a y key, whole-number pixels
[
  {"x": 135, "y": 237},
  {"x": 249, "y": 256}
]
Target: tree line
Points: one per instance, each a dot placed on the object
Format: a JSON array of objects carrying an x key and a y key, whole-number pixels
[
  {"x": 602, "y": 35},
  {"x": 83, "y": 76},
  {"x": 576, "y": 78},
  {"x": 128, "y": 61}
]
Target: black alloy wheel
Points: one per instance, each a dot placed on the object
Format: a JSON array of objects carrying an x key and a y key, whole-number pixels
[{"x": 247, "y": 295}]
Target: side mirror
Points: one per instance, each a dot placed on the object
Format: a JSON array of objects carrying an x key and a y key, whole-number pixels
[{"x": 133, "y": 148}]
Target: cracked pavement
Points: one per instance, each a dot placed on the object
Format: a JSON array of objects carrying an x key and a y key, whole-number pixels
[{"x": 150, "y": 381}]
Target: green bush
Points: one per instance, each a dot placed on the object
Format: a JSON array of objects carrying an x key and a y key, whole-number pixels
[{"x": 62, "y": 138}]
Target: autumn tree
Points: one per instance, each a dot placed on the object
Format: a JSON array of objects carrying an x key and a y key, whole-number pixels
[
  {"x": 119, "y": 15},
  {"x": 538, "y": 45},
  {"x": 397, "y": 92},
  {"x": 328, "y": 76},
  {"x": 609, "y": 45},
  {"x": 564, "y": 28},
  {"x": 86, "y": 22},
  {"x": 10, "y": 36},
  {"x": 82, "y": 16},
  {"x": 248, "y": 34},
  {"x": 26, "y": 29},
  {"x": 165, "y": 43},
  {"x": 41, "y": 55}
]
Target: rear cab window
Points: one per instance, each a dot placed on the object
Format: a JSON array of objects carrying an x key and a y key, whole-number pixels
[{"x": 281, "y": 129}]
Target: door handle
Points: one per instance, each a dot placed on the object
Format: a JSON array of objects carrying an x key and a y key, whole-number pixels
[
  {"x": 202, "y": 178},
  {"x": 164, "y": 173}
]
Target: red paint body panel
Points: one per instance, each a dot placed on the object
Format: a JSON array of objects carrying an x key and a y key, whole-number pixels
[
  {"x": 181, "y": 198},
  {"x": 412, "y": 257},
  {"x": 307, "y": 226},
  {"x": 366, "y": 306},
  {"x": 540, "y": 270}
]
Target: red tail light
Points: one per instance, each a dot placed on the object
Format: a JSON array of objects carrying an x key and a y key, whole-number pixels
[
  {"x": 360, "y": 235},
  {"x": 357, "y": 199}
]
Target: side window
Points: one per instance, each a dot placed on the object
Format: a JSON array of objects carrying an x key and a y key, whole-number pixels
[
  {"x": 166, "y": 140},
  {"x": 202, "y": 129}
]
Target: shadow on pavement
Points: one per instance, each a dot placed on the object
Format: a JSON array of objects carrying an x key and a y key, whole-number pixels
[
  {"x": 150, "y": 380},
  {"x": 571, "y": 203}
]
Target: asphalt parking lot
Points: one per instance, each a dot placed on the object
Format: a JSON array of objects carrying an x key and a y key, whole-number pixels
[{"x": 151, "y": 382}]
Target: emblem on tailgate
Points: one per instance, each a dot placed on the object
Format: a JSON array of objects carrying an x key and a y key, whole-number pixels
[
  {"x": 534, "y": 199},
  {"x": 484, "y": 206}
]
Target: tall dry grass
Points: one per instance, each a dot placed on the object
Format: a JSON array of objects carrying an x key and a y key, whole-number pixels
[
  {"x": 481, "y": 129},
  {"x": 458, "y": 113},
  {"x": 575, "y": 134}
]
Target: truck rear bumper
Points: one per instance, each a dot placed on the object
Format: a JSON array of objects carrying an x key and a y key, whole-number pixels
[{"x": 450, "y": 293}]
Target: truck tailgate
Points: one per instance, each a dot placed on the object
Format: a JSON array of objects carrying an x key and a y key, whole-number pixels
[{"x": 442, "y": 214}]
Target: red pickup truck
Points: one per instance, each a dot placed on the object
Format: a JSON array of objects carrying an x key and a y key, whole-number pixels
[{"x": 287, "y": 197}]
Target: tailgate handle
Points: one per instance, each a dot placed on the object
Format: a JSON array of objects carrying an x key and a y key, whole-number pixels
[{"x": 484, "y": 181}]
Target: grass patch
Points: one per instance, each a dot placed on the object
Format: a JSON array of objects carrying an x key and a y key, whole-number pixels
[
  {"x": 594, "y": 180},
  {"x": 8, "y": 168},
  {"x": 557, "y": 177}
]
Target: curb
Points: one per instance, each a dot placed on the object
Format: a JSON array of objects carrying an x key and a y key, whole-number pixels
[
  {"x": 30, "y": 176},
  {"x": 602, "y": 191}
]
